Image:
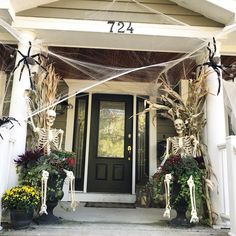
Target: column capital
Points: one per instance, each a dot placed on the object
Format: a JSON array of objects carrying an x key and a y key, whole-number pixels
[{"x": 26, "y": 36}]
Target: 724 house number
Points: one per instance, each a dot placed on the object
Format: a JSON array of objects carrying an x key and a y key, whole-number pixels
[{"x": 120, "y": 27}]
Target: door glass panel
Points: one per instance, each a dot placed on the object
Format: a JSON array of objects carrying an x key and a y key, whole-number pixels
[
  {"x": 142, "y": 158},
  {"x": 111, "y": 129},
  {"x": 80, "y": 136}
]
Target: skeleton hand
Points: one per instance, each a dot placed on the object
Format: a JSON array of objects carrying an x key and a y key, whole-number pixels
[
  {"x": 195, "y": 144},
  {"x": 159, "y": 169}
]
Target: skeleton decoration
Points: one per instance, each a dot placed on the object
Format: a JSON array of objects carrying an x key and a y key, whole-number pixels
[
  {"x": 49, "y": 138},
  {"x": 44, "y": 180},
  {"x": 167, "y": 180},
  {"x": 70, "y": 176},
  {"x": 194, "y": 217},
  {"x": 181, "y": 144},
  {"x": 187, "y": 142}
]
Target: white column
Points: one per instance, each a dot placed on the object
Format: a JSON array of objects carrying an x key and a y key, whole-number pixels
[
  {"x": 18, "y": 107},
  {"x": 3, "y": 78},
  {"x": 216, "y": 134},
  {"x": 87, "y": 142},
  {"x": 231, "y": 158},
  {"x": 4, "y": 163},
  {"x": 152, "y": 142},
  {"x": 70, "y": 120},
  {"x": 134, "y": 143}
]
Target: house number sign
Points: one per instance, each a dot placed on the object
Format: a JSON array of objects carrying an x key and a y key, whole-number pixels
[{"x": 120, "y": 27}]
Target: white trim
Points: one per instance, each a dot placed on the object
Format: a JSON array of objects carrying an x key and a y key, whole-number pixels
[
  {"x": 102, "y": 27},
  {"x": 70, "y": 125},
  {"x": 106, "y": 197},
  {"x": 121, "y": 87},
  {"x": 152, "y": 142},
  {"x": 29, "y": 4},
  {"x": 87, "y": 142},
  {"x": 3, "y": 79},
  {"x": 134, "y": 144}
]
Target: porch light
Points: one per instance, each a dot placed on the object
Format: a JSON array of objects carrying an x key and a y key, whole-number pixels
[{"x": 62, "y": 107}]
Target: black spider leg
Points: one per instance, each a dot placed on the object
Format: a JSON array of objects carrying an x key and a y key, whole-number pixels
[
  {"x": 38, "y": 55},
  {"x": 28, "y": 54},
  {"x": 21, "y": 71},
  {"x": 16, "y": 121},
  {"x": 10, "y": 119},
  {"x": 18, "y": 64},
  {"x": 30, "y": 77},
  {"x": 12, "y": 125},
  {"x": 200, "y": 68},
  {"x": 218, "y": 77},
  {"x": 214, "y": 44},
  {"x": 1, "y": 136}
]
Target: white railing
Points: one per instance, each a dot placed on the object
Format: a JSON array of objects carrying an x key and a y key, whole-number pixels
[
  {"x": 6, "y": 145},
  {"x": 225, "y": 216},
  {"x": 231, "y": 160}
]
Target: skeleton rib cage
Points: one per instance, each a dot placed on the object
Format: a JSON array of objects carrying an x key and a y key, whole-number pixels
[
  {"x": 182, "y": 146},
  {"x": 48, "y": 139}
]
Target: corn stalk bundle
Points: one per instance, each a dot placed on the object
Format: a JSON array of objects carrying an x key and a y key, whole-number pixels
[
  {"x": 172, "y": 106},
  {"x": 45, "y": 93}
]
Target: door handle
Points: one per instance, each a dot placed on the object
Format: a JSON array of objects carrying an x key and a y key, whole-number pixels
[{"x": 129, "y": 148}]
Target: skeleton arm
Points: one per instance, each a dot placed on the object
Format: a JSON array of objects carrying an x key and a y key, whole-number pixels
[
  {"x": 61, "y": 133},
  {"x": 28, "y": 100},
  {"x": 167, "y": 154},
  {"x": 195, "y": 143}
]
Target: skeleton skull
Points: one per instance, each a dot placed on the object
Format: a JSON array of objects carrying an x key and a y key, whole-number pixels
[
  {"x": 179, "y": 126},
  {"x": 50, "y": 118}
]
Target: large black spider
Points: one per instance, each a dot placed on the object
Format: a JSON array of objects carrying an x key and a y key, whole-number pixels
[
  {"x": 214, "y": 63},
  {"x": 28, "y": 60},
  {"x": 8, "y": 120}
]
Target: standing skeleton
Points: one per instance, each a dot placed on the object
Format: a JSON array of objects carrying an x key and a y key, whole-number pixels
[{"x": 48, "y": 138}]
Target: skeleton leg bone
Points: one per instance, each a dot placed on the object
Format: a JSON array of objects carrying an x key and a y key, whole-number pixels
[
  {"x": 71, "y": 178},
  {"x": 44, "y": 180},
  {"x": 194, "y": 217},
  {"x": 167, "y": 180}
]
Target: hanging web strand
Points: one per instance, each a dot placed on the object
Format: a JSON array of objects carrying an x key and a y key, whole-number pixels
[{"x": 112, "y": 73}]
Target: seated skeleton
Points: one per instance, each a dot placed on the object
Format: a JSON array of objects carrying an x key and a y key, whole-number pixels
[{"x": 183, "y": 145}]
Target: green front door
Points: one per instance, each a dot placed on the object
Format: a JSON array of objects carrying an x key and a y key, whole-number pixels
[{"x": 110, "y": 153}]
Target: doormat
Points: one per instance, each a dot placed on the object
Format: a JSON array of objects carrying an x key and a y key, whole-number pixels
[{"x": 110, "y": 205}]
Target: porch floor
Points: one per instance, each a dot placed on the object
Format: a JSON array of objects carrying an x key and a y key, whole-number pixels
[{"x": 112, "y": 221}]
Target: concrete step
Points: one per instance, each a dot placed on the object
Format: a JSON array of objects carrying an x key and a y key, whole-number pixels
[
  {"x": 92, "y": 221},
  {"x": 105, "y": 229}
]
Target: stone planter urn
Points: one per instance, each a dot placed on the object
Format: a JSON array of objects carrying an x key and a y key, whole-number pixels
[
  {"x": 21, "y": 219},
  {"x": 54, "y": 195},
  {"x": 181, "y": 206}
]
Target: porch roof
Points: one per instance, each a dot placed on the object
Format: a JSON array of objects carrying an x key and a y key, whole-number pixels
[{"x": 54, "y": 23}]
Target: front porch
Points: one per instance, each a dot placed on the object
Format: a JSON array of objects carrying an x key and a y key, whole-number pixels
[{"x": 114, "y": 221}]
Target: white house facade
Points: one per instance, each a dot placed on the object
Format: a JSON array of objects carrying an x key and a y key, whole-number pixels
[{"x": 112, "y": 34}]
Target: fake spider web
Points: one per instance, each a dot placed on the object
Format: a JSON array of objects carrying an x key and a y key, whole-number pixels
[{"x": 100, "y": 70}]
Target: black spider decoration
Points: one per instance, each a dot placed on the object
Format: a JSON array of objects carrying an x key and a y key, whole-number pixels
[
  {"x": 214, "y": 63},
  {"x": 8, "y": 120},
  {"x": 28, "y": 60}
]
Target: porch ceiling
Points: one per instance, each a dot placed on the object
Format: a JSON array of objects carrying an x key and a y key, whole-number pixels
[{"x": 169, "y": 39}]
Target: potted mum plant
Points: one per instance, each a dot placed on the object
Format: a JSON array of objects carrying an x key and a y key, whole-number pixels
[
  {"x": 30, "y": 166},
  {"x": 21, "y": 201},
  {"x": 180, "y": 169}
]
